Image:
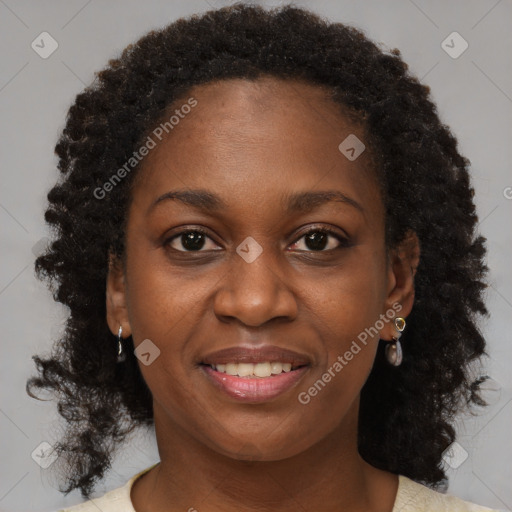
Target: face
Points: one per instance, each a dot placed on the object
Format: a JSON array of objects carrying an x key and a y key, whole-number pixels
[{"x": 256, "y": 258}]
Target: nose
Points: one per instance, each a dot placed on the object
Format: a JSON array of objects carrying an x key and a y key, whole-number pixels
[{"x": 255, "y": 292}]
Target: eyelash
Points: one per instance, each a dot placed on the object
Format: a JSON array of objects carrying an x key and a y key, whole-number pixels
[{"x": 344, "y": 242}]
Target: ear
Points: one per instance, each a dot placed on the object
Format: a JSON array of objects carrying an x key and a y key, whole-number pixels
[
  {"x": 117, "y": 313},
  {"x": 402, "y": 266}
]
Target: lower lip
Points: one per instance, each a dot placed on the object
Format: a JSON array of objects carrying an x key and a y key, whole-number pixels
[{"x": 257, "y": 389}]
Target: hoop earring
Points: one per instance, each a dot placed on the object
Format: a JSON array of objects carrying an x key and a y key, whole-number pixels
[
  {"x": 394, "y": 348},
  {"x": 120, "y": 354}
]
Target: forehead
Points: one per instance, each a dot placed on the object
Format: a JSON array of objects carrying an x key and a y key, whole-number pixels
[
  {"x": 265, "y": 94},
  {"x": 256, "y": 140}
]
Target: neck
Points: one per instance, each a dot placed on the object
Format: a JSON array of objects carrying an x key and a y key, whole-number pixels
[{"x": 192, "y": 476}]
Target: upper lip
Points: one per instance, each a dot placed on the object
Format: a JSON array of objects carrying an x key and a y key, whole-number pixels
[{"x": 261, "y": 354}]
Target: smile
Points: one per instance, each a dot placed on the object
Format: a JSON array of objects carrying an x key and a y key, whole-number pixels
[{"x": 254, "y": 383}]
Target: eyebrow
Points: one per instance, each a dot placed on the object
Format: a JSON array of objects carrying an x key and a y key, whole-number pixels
[{"x": 295, "y": 203}]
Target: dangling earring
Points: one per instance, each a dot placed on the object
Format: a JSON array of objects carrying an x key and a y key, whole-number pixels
[
  {"x": 394, "y": 348},
  {"x": 120, "y": 354}
]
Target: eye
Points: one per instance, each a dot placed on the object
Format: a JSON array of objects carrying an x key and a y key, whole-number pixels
[
  {"x": 317, "y": 239},
  {"x": 191, "y": 239}
]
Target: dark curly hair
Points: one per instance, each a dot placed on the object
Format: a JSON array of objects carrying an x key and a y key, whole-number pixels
[{"x": 407, "y": 413}]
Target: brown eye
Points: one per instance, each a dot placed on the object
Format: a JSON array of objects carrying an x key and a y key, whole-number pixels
[
  {"x": 191, "y": 240},
  {"x": 317, "y": 240}
]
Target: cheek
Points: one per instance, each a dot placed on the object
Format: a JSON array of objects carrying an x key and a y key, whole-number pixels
[
  {"x": 166, "y": 305},
  {"x": 349, "y": 300},
  {"x": 161, "y": 299},
  {"x": 344, "y": 309}
]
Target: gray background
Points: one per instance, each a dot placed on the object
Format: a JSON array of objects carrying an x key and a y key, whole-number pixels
[{"x": 474, "y": 97}]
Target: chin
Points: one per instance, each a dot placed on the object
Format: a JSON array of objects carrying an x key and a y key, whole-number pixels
[{"x": 265, "y": 449}]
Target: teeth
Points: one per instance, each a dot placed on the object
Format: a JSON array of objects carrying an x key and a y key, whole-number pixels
[
  {"x": 265, "y": 369},
  {"x": 279, "y": 367},
  {"x": 262, "y": 370},
  {"x": 232, "y": 369},
  {"x": 245, "y": 369}
]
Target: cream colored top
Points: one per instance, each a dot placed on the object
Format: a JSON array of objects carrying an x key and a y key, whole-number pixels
[{"x": 411, "y": 497}]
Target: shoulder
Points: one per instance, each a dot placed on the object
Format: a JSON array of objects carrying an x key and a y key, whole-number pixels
[
  {"x": 116, "y": 500},
  {"x": 414, "y": 497}
]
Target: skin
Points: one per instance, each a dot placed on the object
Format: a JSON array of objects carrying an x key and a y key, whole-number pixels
[{"x": 252, "y": 143}]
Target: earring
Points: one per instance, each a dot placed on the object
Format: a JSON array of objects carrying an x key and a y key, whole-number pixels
[
  {"x": 394, "y": 348},
  {"x": 120, "y": 354}
]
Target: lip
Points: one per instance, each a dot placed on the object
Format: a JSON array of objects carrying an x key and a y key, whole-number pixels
[
  {"x": 261, "y": 354},
  {"x": 257, "y": 389}
]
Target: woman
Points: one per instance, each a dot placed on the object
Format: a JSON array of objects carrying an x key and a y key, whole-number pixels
[{"x": 255, "y": 206}]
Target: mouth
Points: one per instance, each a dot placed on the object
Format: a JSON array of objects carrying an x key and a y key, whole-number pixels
[
  {"x": 254, "y": 374},
  {"x": 254, "y": 383}
]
